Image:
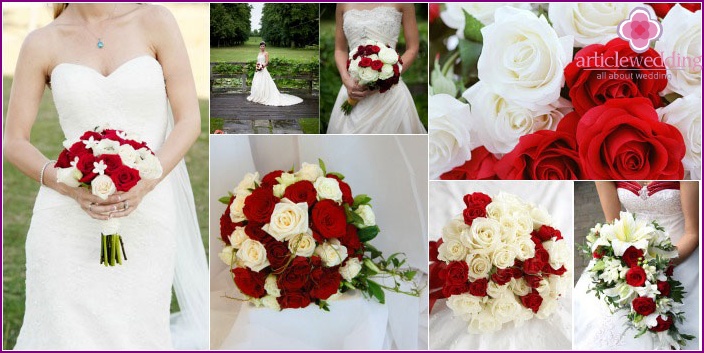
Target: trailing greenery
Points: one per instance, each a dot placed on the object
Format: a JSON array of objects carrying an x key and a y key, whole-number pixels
[
  {"x": 229, "y": 24},
  {"x": 290, "y": 25}
]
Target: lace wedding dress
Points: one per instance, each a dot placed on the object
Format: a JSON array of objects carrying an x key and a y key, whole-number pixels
[
  {"x": 264, "y": 89},
  {"x": 72, "y": 301},
  {"x": 595, "y": 326},
  {"x": 391, "y": 112}
]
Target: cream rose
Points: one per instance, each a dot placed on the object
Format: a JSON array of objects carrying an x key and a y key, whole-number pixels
[
  {"x": 237, "y": 237},
  {"x": 503, "y": 256},
  {"x": 504, "y": 309},
  {"x": 540, "y": 217},
  {"x": 479, "y": 266},
  {"x": 270, "y": 302},
  {"x": 287, "y": 220},
  {"x": 525, "y": 248},
  {"x": 248, "y": 183},
  {"x": 236, "y": 213},
  {"x": 278, "y": 190},
  {"x": 271, "y": 287},
  {"x": 387, "y": 71},
  {"x": 453, "y": 16},
  {"x": 227, "y": 255},
  {"x": 367, "y": 75},
  {"x": 686, "y": 115},
  {"x": 302, "y": 244},
  {"x": 69, "y": 176},
  {"x": 523, "y": 58},
  {"x": 464, "y": 305},
  {"x": 106, "y": 146},
  {"x": 484, "y": 234},
  {"x": 559, "y": 252},
  {"x": 150, "y": 167},
  {"x": 496, "y": 291},
  {"x": 589, "y": 23},
  {"x": 388, "y": 55},
  {"x": 483, "y": 322},
  {"x": 451, "y": 250},
  {"x": 453, "y": 229},
  {"x": 129, "y": 156},
  {"x": 682, "y": 37},
  {"x": 367, "y": 215},
  {"x": 309, "y": 172},
  {"x": 547, "y": 308},
  {"x": 331, "y": 252},
  {"x": 449, "y": 123},
  {"x": 519, "y": 287},
  {"x": 287, "y": 179},
  {"x": 328, "y": 188},
  {"x": 253, "y": 255},
  {"x": 102, "y": 186},
  {"x": 350, "y": 269}
]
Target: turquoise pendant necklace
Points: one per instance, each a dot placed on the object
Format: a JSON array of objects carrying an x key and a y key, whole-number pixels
[{"x": 100, "y": 44}]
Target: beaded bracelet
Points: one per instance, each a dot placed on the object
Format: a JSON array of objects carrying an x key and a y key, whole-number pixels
[{"x": 41, "y": 174}]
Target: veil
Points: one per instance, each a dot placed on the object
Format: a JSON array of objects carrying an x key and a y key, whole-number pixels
[{"x": 189, "y": 327}]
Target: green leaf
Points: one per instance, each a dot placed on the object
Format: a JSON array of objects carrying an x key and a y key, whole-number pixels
[
  {"x": 376, "y": 291},
  {"x": 368, "y": 233},
  {"x": 323, "y": 305},
  {"x": 442, "y": 84},
  {"x": 408, "y": 275},
  {"x": 342, "y": 177},
  {"x": 373, "y": 252},
  {"x": 371, "y": 266},
  {"x": 472, "y": 28},
  {"x": 361, "y": 199},
  {"x": 353, "y": 217},
  {"x": 469, "y": 56},
  {"x": 322, "y": 166},
  {"x": 225, "y": 199}
]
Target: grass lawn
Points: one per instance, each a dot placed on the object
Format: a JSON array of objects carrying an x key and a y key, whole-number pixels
[
  {"x": 20, "y": 191},
  {"x": 216, "y": 124},
  {"x": 310, "y": 125},
  {"x": 249, "y": 51}
]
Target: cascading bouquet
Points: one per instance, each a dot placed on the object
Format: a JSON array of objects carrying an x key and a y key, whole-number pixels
[
  {"x": 293, "y": 239},
  {"x": 374, "y": 65},
  {"x": 500, "y": 261},
  {"x": 106, "y": 161},
  {"x": 631, "y": 272},
  {"x": 259, "y": 67}
]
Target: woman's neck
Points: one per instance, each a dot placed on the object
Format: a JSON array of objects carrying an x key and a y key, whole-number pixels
[{"x": 92, "y": 13}]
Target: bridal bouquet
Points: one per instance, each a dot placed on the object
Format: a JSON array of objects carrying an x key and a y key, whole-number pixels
[
  {"x": 565, "y": 91},
  {"x": 106, "y": 161},
  {"x": 374, "y": 65},
  {"x": 259, "y": 67},
  {"x": 293, "y": 239},
  {"x": 499, "y": 261},
  {"x": 631, "y": 271}
]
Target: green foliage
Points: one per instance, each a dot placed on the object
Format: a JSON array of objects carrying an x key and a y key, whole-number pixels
[
  {"x": 297, "y": 73},
  {"x": 249, "y": 50},
  {"x": 309, "y": 125},
  {"x": 472, "y": 28},
  {"x": 368, "y": 233},
  {"x": 290, "y": 25},
  {"x": 229, "y": 24}
]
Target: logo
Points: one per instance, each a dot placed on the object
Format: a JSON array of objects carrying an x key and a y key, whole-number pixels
[{"x": 639, "y": 29}]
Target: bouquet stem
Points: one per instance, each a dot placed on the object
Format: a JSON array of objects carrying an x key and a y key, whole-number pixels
[
  {"x": 348, "y": 105},
  {"x": 112, "y": 250}
]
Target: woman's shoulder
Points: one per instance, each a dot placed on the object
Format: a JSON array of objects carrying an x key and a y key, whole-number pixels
[{"x": 156, "y": 17}]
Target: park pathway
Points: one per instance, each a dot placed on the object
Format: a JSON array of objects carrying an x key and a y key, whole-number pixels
[{"x": 243, "y": 117}]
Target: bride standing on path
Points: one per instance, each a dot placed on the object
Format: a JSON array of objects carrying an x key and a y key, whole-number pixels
[
  {"x": 122, "y": 65},
  {"x": 264, "y": 89}
]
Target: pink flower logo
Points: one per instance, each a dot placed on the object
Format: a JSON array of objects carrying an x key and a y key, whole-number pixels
[{"x": 639, "y": 29}]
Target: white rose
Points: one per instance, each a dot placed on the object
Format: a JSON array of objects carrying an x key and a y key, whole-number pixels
[
  {"x": 236, "y": 209},
  {"x": 227, "y": 255},
  {"x": 547, "y": 308},
  {"x": 558, "y": 285},
  {"x": 388, "y": 55},
  {"x": 453, "y": 229},
  {"x": 504, "y": 309},
  {"x": 387, "y": 71},
  {"x": 525, "y": 248},
  {"x": 524, "y": 223},
  {"x": 503, "y": 256},
  {"x": 248, "y": 183},
  {"x": 451, "y": 250},
  {"x": 150, "y": 167},
  {"x": 519, "y": 287},
  {"x": 279, "y": 190},
  {"x": 270, "y": 302},
  {"x": 449, "y": 124},
  {"x": 328, "y": 188},
  {"x": 302, "y": 244},
  {"x": 558, "y": 251},
  {"x": 69, "y": 176},
  {"x": 110, "y": 226},
  {"x": 496, "y": 291},
  {"x": 686, "y": 115},
  {"x": 543, "y": 287},
  {"x": 354, "y": 68},
  {"x": 271, "y": 287},
  {"x": 367, "y": 214},
  {"x": 331, "y": 252},
  {"x": 589, "y": 23},
  {"x": 287, "y": 179},
  {"x": 479, "y": 266},
  {"x": 547, "y": 117},
  {"x": 287, "y": 220},
  {"x": 453, "y": 16},
  {"x": 523, "y": 58},
  {"x": 540, "y": 217},
  {"x": 253, "y": 255},
  {"x": 367, "y": 75},
  {"x": 350, "y": 269},
  {"x": 484, "y": 322},
  {"x": 464, "y": 305},
  {"x": 682, "y": 37},
  {"x": 484, "y": 234},
  {"x": 309, "y": 172},
  {"x": 237, "y": 237},
  {"x": 128, "y": 155},
  {"x": 106, "y": 146},
  {"x": 102, "y": 186}
]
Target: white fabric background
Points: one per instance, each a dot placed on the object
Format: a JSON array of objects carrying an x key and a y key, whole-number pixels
[
  {"x": 447, "y": 332},
  {"x": 390, "y": 169}
]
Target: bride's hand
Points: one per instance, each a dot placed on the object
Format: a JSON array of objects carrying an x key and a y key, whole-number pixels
[
  {"x": 127, "y": 202},
  {"x": 354, "y": 90}
]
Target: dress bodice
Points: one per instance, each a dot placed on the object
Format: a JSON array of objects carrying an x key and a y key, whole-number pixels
[
  {"x": 381, "y": 23},
  {"x": 658, "y": 201},
  {"x": 261, "y": 58},
  {"x": 131, "y": 98}
]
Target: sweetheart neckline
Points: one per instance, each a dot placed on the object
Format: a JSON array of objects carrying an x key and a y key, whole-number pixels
[
  {"x": 117, "y": 69},
  {"x": 373, "y": 9}
]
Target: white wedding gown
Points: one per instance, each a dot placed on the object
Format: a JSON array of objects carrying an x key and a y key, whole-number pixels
[
  {"x": 264, "y": 89},
  {"x": 391, "y": 112},
  {"x": 596, "y": 328},
  {"x": 72, "y": 301}
]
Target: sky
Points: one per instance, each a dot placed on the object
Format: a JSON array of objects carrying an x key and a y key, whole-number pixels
[{"x": 256, "y": 14}]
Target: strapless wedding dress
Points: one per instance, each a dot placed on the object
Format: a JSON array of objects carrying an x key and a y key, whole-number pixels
[
  {"x": 72, "y": 301},
  {"x": 264, "y": 89},
  {"x": 594, "y": 325},
  {"x": 391, "y": 112}
]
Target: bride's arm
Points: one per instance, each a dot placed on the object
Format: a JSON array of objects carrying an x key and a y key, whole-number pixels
[
  {"x": 689, "y": 195},
  {"x": 354, "y": 90},
  {"x": 26, "y": 93},
  {"x": 171, "y": 53},
  {"x": 410, "y": 32},
  {"x": 266, "y": 57},
  {"x": 608, "y": 197}
]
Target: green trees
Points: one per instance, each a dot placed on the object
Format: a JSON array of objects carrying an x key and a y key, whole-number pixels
[
  {"x": 229, "y": 24},
  {"x": 290, "y": 25}
]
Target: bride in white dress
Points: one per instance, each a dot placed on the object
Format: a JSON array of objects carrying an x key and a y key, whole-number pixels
[
  {"x": 391, "y": 112},
  {"x": 264, "y": 89},
  {"x": 674, "y": 205},
  {"x": 110, "y": 64}
]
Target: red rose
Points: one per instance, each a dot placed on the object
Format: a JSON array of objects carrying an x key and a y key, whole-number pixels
[
  {"x": 597, "y": 254},
  {"x": 329, "y": 219},
  {"x": 433, "y": 250},
  {"x": 532, "y": 301},
  {"x": 542, "y": 254},
  {"x": 502, "y": 276},
  {"x": 278, "y": 254},
  {"x": 635, "y": 277},
  {"x": 661, "y": 9},
  {"x": 249, "y": 282},
  {"x": 545, "y": 233},
  {"x": 112, "y": 161},
  {"x": 663, "y": 325},
  {"x": 269, "y": 180},
  {"x": 375, "y": 49},
  {"x": 669, "y": 270},
  {"x": 664, "y": 288},
  {"x": 351, "y": 240},
  {"x": 549, "y": 270},
  {"x": 590, "y": 87},
  {"x": 111, "y": 134},
  {"x": 397, "y": 71},
  {"x": 255, "y": 232},
  {"x": 326, "y": 282},
  {"x": 433, "y": 12},
  {"x": 64, "y": 160},
  {"x": 227, "y": 226},
  {"x": 295, "y": 276},
  {"x": 136, "y": 145},
  {"x": 624, "y": 139},
  {"x": 480, "y": 167},
  {"x": 293, "y": 300},
  {"x": 377, "y": 65},
  {"x": 478, "y": 287},
  {"x": 477, "y": 198},
  {"x": 643, "y": 305},
  {"x": 79, "y": 149},
  {"x": 631, "y": 256},
  {"x": 543, "y": 155},
  {"x": 533, "y": 266},
  {"x": 125, "y": 178},
  {"x": 302, "y": 191},
  {"x": 533, "y": 281},
  {"x": 365, "y": 62},
  {"x": 259, "y": 205},
  {"x": 88, "y": 134},
  {"x": 454, "y": 289},
  {"x": 457, "y": 272},
  {"x": 85, "y": 164},
  {"x": 472, "y": 212},
  {"x": 345, "y": 188}
]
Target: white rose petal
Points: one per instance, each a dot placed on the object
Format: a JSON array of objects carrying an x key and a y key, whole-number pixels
[
  {"x": 558, "y": 251},
  {"x": 128, "y": 155},
  {"x": 328, "y": 188},
  {"x": 686, "y": 115},
  {"x": 287, "y": 220},
  {"x": 589, "y": 23},
  {"x": 248, "y": 183},
  {"x": 449, "y": 124},
  {"x": 227, "y": 255},
  {"x": 484, "y": 234},
  {"x": 236, "y": 213},
  {"x": 331, "y": 252},
  {"x": 253, "y": 255},
  {"x": 388, "y": 55},
  {"x": 453, "y": 16},
  {"x": 484, "y": 322},
  {"x": 271, "y": 287},
  {"x": 525, "y": 248},
  {"x": 367, "y": 75},
  {"x": 270, "y": 302},
  {"x": 106, "y": 146},
  {"x": 503, "y": 256},
  {"x": 367, "y": 214},
  {"x": 479, "y": 266},
  {"x": 452, "y": 250},
  {"x": 150, "y": 167},
  {"x": 237, "y": 237},
  {"x": 387, "y": 71},
  {"x": 302, "y": 244},
  {"x": 102, "y": 186},
  {"x": 504, "y": 309},
  {"x": 310, "y": 172},
  {"x": 464, "y": 305},
  {"x": 69, "y": 176},
  {"x": 681, "y": 48},
  {"x": 350, "y": 269}
]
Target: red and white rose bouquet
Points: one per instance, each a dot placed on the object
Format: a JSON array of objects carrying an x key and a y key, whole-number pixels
[
  {"x": 259, "y": 67},
  {"x": 107, "y": 161},
  {"x": 563, "y": 91},
  {"x": 631, "y": 272},
  {"x": 500, "y": 261},
  {"x": 374, "y": 65},
  {"x": 294, "y": 239}
]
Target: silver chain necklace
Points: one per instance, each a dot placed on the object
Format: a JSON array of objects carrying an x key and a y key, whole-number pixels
[{"x": 100, "y": 43}]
